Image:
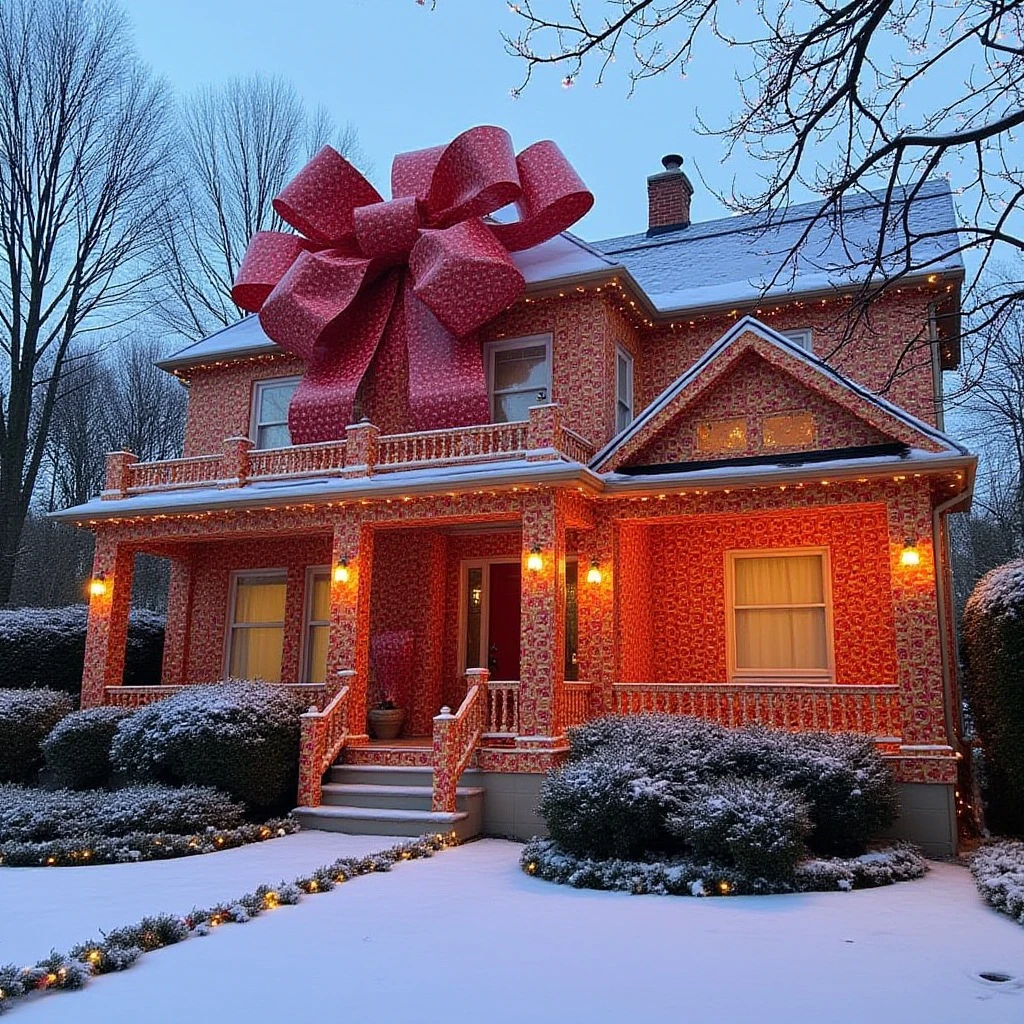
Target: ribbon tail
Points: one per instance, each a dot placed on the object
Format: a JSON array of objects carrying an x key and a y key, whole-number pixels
[
  {"x": 322, "y": 405},
  {"x": 447, "y": 385}
]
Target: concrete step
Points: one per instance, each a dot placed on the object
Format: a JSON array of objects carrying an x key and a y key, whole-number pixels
[
  {"x": 410, "y": 798},
  {"x": 387, "y": 775},
  {"x": 387, "y": 821}
]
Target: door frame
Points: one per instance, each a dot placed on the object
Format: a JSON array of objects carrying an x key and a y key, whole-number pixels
[{"x": 465, "y": 565}]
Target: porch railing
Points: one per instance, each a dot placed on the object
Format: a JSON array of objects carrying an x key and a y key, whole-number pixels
[
  {"x": 363, "y": 452},
  {"x": 575, "y": 703},
  {"x": 311, "y": 694},
  {"x": 455, "y": 740},
  {"x": 502, "y": 719},
  {"x": 870, "y": 709},
  {"x": 322, "y": 736}
]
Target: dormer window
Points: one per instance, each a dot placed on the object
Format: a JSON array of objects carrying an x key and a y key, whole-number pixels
[
  {"x": 801, "y": 336},
  {"x": 270, "y": 400},
  {"x": 623, "y": 389},
  {"x": 518, "y": 376}
]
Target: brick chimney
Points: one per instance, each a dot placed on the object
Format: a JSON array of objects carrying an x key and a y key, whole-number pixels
[{"x": 668, "y": 197}]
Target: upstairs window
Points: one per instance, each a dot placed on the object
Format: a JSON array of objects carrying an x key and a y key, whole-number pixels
[
  {"x": 780, "y": 613},
  {"x": 722, "y": 435},
  {"x": 788, "y": 430},
  {"x": 270, "y": 401},
  {"x": 802, "y": 337},
  {"x": 518, "y": 376},
  {"x": 623, "y": 389}
]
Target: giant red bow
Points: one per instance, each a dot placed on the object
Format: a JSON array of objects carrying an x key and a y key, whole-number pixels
[{"x": 407, "y": 280}]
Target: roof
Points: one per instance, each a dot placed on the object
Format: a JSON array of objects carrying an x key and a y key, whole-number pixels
[
  {"x": 650, "y": 418},
  {"x": 704, "y": 266}
]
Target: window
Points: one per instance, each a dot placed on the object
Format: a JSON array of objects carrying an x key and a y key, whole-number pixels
[
  {"x": 780, "y": 613},
  {"x": 722, "y": 436},
  {"x": 623, "y": 389},
  {"x": 572, "y": 620},
  {"x": 518, "y": 376},
  {"x": 788, "y": 430},
  {"x": 318, "y": 625},
  {"x": 270, "y": 412},
  {"x": 256, "y": 635},
  {"x": 802, "y": 336}
]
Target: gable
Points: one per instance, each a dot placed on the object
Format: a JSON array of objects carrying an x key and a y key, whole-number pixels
[
  {"x": 755, "y": 409},
  {"x": 747, "y": 378}
]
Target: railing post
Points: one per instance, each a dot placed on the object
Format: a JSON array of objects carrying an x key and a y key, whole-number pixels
[
  {"x": 118, "y": 470},
  {"x": 310, "y": 774},
  {"x": 234, "y": 467},
  {"x": 442, "y": 756},
  {"x": 361, "y": 442},
  {"x": 544, "y": 432},
  {"x": 479, "y": 677}
]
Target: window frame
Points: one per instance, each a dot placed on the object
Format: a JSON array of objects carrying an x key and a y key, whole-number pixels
[
  {"x": 621, "y": 352},
  {"x": 255, "y": 423},
  {"x": 760, "y": 675},
  {"x": 802, "y": 336},
  {"x": 278, "y": 573},
  {"x": 305, "y": 647},
  {"x": 504, "y": 345}
]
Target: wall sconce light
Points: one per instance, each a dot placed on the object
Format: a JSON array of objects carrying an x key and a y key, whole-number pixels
[
  {"x": 98, "y": 586},
  {"x": 594, "y": 573},
  {"x": 910, "y": 556},
  {"x": 341, "y": 571},
  {"x": 533, "y": 560}
]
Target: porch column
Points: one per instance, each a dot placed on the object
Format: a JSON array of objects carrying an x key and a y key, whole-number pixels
[
  {"x": 110, "y": 595},
  {"x": 179, "y": 618},
  {"x": 596, "y": 611},
  {"x": 542, "y": 632},
  {"x": 348, "y": 646}
]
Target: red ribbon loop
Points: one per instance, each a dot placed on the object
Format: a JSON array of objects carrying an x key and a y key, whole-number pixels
[{"x": 407, "y": 280}]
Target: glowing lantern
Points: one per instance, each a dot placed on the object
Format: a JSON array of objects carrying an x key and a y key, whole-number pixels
[
  {"x": 98, "y": 586},
  {"x": 910, "y": 556},
  {"x": 593, "y": 573},
  {"x": 533, "y": 561},
  {"x": 341, "y": 571}
]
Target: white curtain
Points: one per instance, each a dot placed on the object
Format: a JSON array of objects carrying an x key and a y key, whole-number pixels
[
  {"x": 780, "y": 612},
  {"x": 257, "y": 633}
]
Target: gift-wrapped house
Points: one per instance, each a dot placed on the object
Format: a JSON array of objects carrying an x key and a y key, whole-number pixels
[{"x": 466, "y": 477}]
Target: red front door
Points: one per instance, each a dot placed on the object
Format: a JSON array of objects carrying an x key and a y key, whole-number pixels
[{"x": 503, "y": 621}]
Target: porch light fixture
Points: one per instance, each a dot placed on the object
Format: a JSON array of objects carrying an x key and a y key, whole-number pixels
[
  {"x": 594, "y": 573},
  {"x": 533, "y": 561},
  {"x": 910, "y": 556},
  {"x": 98, "y": 586},
  {"x": 341, "y": 571}
]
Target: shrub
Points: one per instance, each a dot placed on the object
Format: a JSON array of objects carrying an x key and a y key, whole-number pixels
[
  {"x": 753, "y": 825},
  {"x": 26, "y": 718},
  {"x": 242, "y": 738},
  {"x": 993, "y": 648},
  {"x": 998, "y": 870},
  {"x": 77, "y": 751},
  {"x": 46, "y": 647}
]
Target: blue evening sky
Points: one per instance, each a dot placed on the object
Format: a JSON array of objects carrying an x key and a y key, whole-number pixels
[{"x": 407, "y": 76}]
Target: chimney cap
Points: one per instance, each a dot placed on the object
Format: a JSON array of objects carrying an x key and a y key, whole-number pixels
[{"x": 672, "y": 162}]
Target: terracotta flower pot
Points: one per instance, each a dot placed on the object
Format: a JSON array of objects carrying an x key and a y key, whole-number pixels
[{"x": 386, "y": 725}]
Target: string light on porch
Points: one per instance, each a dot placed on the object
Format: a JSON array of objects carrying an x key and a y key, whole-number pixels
[{"x": 533, "y": 561}]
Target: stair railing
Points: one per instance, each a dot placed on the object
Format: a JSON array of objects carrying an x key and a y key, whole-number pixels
[
  {"x": 456, "y": 738},
  {"x": 322, "y": 736}
]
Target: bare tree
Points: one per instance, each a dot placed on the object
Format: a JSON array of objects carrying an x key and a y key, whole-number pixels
[
  {"x": 839, "y": 98},
  {"x": 82, "y": 147},
  {"x": 240, "y": 145}
]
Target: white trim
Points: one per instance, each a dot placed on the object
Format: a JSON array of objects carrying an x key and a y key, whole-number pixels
[
  {"x": 465, "y": 565},
  {"x": 312, "y": 571},
  {"x": 277, "y": 572},
  {"x": 621, "y": 352},
  {"x": 255, "y": 401},
  {"x": 802, "y": 336},
  {"x": 737, "y": 675},
  {"x": 504, "y": 345}
]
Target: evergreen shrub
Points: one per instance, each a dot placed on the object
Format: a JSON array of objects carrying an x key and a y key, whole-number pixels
[
  {"x": 77, "y": 751},
  {"x": 26, "y": 718}
]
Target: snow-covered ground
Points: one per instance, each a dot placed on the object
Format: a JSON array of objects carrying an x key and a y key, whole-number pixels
[{"x": 465, "y": 936}]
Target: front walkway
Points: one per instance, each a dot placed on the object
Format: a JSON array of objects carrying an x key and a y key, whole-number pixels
[{"x": 466, "y": 936}]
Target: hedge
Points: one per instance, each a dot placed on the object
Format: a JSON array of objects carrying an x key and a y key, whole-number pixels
[
  {"x": 77, "y": 751},
  {"x": 26, "y": 718}
]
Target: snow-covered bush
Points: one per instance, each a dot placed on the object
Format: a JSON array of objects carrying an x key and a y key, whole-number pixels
[
  {"x": 37, "y": 815},
  {"x": 46, "y": 647},
  {"x": 998, "y": 869},
  {"x": 993, "y": 648},
  {"x": 751, "y": 824},
  {"x": 77, "y": 751},
  {"x": 26, "y": 718},
  {"x": 239, "y": 737}
]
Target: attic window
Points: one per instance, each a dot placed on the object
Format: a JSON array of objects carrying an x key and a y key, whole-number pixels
[
  {"x": 801, "y": 336},
  {"x": 722, "y": 436},
  {"x": 788, "y": 430}
]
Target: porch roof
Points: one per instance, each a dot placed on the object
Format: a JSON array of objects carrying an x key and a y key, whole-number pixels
[{"x": 506, "y": 475}]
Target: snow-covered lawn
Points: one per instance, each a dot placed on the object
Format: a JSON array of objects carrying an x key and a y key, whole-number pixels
[{"x": 466, "y": 936}]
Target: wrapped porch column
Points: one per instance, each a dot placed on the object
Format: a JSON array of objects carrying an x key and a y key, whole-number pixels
[
  {"x": 348, "y": 647},
  {"x": 109, "y": 606}
]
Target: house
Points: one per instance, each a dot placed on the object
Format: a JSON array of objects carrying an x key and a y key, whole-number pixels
[{"x": 682, "y": 491}]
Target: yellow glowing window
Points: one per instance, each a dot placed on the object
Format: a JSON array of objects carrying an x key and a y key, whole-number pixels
[
  {"x": 792, "y": 430},
  {"x": 722, "y": 436}
]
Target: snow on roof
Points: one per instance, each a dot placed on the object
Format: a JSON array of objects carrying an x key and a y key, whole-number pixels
[
  {"x": 734, "y": 259},
  {"x": 754, "y": 326}
]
